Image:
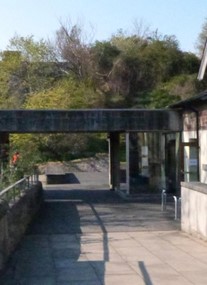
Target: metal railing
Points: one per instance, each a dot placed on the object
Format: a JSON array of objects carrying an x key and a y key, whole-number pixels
[
  {"x": 177, "y": 204},
  {"x": 13, "y": 192},
  {"x": 177, "y": 201},
  {"x": 163, "y": 200}
]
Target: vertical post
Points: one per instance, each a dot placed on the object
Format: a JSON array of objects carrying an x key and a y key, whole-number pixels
[
  {"x": 127, "y": 165},
  {"x": 110, "y": 163},
  {"x": 28, "y": 182},
  {"x": 178, "y": 164},
  {"x": 164, "y": 200},
  {"x": 132, "y": 163},
  {"x": 163, "y": 159},
  {"x": 177, "y": 207},
  {"x": 114, "y": 161},
  {"x": 133, "y": 155}
]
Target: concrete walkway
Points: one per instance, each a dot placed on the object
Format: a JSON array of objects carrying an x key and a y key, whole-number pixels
[{"x": 93, "y": 237}]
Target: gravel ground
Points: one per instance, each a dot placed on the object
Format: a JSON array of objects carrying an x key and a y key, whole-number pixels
[{"x": 99, "y": 163}]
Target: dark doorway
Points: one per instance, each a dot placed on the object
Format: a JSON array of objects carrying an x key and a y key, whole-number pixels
[{"x": 171, "y": 166}]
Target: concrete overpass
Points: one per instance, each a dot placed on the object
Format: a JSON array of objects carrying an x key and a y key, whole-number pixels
[
  {"x": 93, "y": 120},
  {"x": 111, "y": 121}
]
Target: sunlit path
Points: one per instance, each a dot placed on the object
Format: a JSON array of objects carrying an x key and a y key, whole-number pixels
[{"x": 88, "y": 236}]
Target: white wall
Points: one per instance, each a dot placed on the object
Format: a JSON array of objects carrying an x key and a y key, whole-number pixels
[
  {"x": 203, "y": 155},
  {"x": 193, "y": 209},
  {"x": 188, "y": 135}
]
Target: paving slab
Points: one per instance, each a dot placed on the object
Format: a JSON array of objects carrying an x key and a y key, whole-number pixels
[{"x": 94, "y": 237}]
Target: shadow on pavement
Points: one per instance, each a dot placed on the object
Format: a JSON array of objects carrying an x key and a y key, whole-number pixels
[
  {"x": 145, "y": 274},
  {"x": 57, "y": 243}
]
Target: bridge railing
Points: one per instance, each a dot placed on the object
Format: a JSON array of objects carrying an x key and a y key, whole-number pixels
[{"x": 13, "y": 192}]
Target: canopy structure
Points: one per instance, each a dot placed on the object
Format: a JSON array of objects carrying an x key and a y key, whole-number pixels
[{"x": 93, "y": 120}]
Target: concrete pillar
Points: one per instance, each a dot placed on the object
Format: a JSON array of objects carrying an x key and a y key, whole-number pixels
[
  {"x": 132, "y": 163},
  {"x": 178, "y": 164},
  {"x": 133, "y": 155},
  {"x": 114, "y": 161},
  {"x": 163, "y": 183},
  {"x": 127, "y": 165}
]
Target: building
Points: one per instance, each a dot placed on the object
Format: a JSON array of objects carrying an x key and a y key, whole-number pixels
[{"x": 193, "y": 139}]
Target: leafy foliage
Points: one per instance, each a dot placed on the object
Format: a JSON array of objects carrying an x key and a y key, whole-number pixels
[
  {"x": 31, "y": 50},
  {"x": 202, "y": 37},
  {"x": 137, "y": 70}
]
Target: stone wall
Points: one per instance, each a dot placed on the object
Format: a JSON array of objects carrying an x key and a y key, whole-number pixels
[
  {"x": 193, "y": 209},
  {"x": 14, "y": 220}
]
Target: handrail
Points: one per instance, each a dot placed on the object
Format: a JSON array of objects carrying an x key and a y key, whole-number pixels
[
  {"x": 13, "y": 185},
  {"x": 15, "y": 190},
  {"x": 177, "y": 202}
]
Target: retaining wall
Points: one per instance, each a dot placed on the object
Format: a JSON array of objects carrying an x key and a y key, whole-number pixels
[
  {"x": 194, "y": 208},
  {"x": 14, "y": 220}
]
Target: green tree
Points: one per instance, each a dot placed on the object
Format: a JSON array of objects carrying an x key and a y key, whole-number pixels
[
  {"x": 202, "y": 37},
  {"x": 39, "y": 68},
  {"x": 143, "y": 63},
  {"x": 10, "y": 70},
  {"x": 72, "y": 46},
  {"x": 104, "y": 53},
  {"x": 31, "y": 50},
  {"x": 67, "y": 93},
  {"x": 128, "y": 71},
  {"x": 177, "y": 88},
  {"x": 26, "y": 67}
]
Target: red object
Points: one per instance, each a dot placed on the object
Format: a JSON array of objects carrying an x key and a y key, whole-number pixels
[{"x": 15, "y": 158}]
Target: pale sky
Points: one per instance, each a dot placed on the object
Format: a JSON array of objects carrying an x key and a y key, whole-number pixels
[{"x": 41, "y": 18}]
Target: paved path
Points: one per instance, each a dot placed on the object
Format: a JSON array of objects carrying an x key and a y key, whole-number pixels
[{"x": 93, "y": 237}]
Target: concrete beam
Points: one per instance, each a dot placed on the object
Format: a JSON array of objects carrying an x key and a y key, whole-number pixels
[{"x": 94, "y": 120}]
